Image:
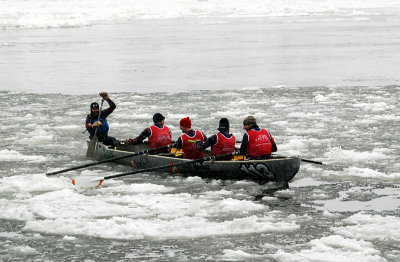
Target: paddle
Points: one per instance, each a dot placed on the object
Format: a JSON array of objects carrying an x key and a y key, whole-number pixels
[
  {"x": 109, "y": 160},
  {"x": 302, "y": 159},
  {"x": 94, "y": 140},
  {"x": 306, "y": 160},
  {"x": 97, "y": 182},
  {"x": 311, "y": 161}
]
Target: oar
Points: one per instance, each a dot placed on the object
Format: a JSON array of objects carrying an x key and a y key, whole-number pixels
[
  {"x": 97, "y": 182},
  {"x": 311, "y": 161},
  {"x": 302, "y": 159},
  {"x": 109, "y": 160},
  {"x": 306, "y": 160},
  {"x": 94, "y": 140}
]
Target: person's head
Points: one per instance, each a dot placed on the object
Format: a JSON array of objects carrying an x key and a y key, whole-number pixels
[
  {"x": 223, "y": 125},
  {"x": 158, "y": 118},
  {"x": 94, "y": 108},
  {"x": 249, "y": 122},
  {"x": 185, "y": 124}
]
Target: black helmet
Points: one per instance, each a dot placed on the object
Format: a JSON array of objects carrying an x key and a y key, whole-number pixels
[
  {"x": 158, "y": 117},
  {"x": 223, "y": 124},
  {"x": 94, "y": 105}
]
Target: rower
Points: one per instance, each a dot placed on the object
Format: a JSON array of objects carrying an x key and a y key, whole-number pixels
[
  {"x": 221, "y": 143},
  {"x": 159, "y": 135},
  {"x": 256, "y": 142},
  {"x": 93, "y": 121},
  {"x": 187, "y": 141}
]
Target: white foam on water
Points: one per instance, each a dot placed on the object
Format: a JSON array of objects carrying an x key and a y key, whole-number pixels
[
  {"x": 374, "y": 107},
  {"x": 120, "y": 125},
  {"x": 269, "y": 199},
  {"x": 142, "y": 188},
  {"x": 294, "y": 145},
  {"x": 122, "y": 227},
  {"x": 14, "y": 156},
  {"x": 74, "y": 113},
  {"x": 306, "y": 182},
  {"x": 69, "y": 127},
  {"x": 11, "y": 235},
  {"x": 30, "y": 183},
  {"x": 370, "y": 173},
  {"x": 23, "y": 250},
  {"x": 332, "y": 249},
  {"x": 37, "y": 136},
  {"x": 69, "y": 238},
  {"x": 385, "y": 199},
  {"x": 329, "y": 214},
  {"x": 238, "y": 255},
  {"x": 10, "y": 212},
  {"x": 285, "y": 193},
  {"x": 219, "y": 193},
  {"x": 139, "y": 207},
  {"x": 386, "y": 117},
  {"x": 371, "y": 227},
  {"x": 339, "y": 155},
  {"x": 47, "y": 14},
  {"x": 134, "y": 211},
  {"x": 127, "y": 117},
  {"x": 306, "y": 115}
]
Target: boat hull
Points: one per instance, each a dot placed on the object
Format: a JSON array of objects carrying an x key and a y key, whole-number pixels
[{"x": 276, "y": 169}]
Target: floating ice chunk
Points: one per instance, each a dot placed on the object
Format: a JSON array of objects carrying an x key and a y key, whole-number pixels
[{"x": 332, "y": 249}]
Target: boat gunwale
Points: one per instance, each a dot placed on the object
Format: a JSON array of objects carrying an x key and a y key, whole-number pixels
[{"x": 278, "y": 158}]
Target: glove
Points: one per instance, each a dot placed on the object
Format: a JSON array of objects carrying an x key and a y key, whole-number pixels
[
  {"x": 97, "y": 124},
  {"x": 128, "y": 141},
  {"x": 199, "y": 144},
  {"x": 104, "y": 95}
]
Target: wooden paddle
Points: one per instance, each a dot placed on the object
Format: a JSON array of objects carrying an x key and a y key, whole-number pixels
[
  {"x": 109, "y": 160},
  {"x": 94, "y": 140},
  {"x": 90, "y": 182}
]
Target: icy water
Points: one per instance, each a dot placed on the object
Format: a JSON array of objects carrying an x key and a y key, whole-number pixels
[
  {"x": 322, "y": 76},
  {"x": 346, "y": 210},
  {"x": 201, "y": 54}
]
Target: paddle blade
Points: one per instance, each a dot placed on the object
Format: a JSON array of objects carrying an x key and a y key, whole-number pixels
[
  {"x": 92, "y": 147},
  {"x": 87, "y": 181}
]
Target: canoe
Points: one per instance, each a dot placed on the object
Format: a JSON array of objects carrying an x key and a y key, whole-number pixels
[{"x": 277, "y": 169}]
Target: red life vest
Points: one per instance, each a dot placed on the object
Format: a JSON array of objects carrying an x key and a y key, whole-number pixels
[
  {"x": 259, "y": 143},
  {"x": 190, "y": 150},
  {"x": 224, "y": 145},
  {"x": 159, "y": 137}
]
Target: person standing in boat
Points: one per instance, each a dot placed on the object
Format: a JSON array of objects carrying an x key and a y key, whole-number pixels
[
  {"x": 187, "y": 141},
  {"x": 93, "y": 121},
  {"x": 221, "y": 143},
  {"x": 158, "y": 134},
  {"x": 257, "y": 142}
]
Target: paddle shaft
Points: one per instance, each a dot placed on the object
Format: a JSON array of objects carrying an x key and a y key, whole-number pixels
[
  {"x": 311, "y": 161},
  {"x": 98, "y": 118},
  {"x": 302, "y": 159},
  {"x": 168, "y": 166},
  {"x": 307, "y": 160},
  {"x": 108, "y": 160},
  {"x": 93, "y": 141}
]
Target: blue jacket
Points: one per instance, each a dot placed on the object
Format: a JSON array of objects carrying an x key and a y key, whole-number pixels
[{"x": 102, "y": 131}]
